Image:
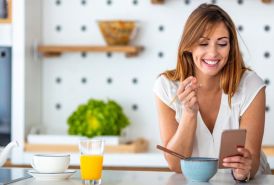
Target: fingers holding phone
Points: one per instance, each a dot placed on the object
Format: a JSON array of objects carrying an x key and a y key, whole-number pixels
[
  {"x": 187, "y": 94},
  {"x": 241, "y": 165},
  {"x": 233, "y": 153}
]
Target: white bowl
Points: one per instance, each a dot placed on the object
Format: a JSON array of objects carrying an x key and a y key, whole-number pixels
[{"x": 50, "y": 163}]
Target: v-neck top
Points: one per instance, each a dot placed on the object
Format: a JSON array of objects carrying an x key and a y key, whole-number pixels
[{"x": 205, "y": 143}]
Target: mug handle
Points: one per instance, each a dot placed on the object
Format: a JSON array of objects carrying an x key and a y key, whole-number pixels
[{"x": 32, "y": 163}]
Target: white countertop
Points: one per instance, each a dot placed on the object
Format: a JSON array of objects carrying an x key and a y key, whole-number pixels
[{"x": 145, "y": 177}]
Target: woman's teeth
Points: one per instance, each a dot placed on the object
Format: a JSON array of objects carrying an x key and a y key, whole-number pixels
[{"x": 211, "y": 62}]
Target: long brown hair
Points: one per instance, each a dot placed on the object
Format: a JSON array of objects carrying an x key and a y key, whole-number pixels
[{"x": 200, "y": 19}]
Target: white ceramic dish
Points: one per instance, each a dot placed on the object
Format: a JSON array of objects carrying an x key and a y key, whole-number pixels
[
  {"x": 51, "y": 176},
  {"x": 50, "y": 163}
]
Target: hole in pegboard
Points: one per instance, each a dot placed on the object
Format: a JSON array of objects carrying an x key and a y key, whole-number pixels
[
  {"x": 84, "y": 80},
  {"x": 3, "y": 54},
  {"x": 240, "y": 28},
  {"x": 214, "y": 2},
  {"x": 109, "y": 80},
  {"x": 267, "y": 109},
  {"x": 240, "y": 1},
  {"x": 58, "y": 2},
  {"x": 109, "y": 55},
  {"x": 58, "y": 80},
  {"x": 160, "y": 54},
  {"x": 58, "y": 28},
  {"x": 161, "y": 28},
  {"x": 109, "y": 2},
  {"x": 83, "y": 28},
  {"x": 266, "y": 28},
  {"x": 134, "y": 177},
  {"x": 266, "y": 55},
  {"x": 187, "y": 1},
  {"x": 266, "y": 81},
  {"x": 84, "y": 2},
  {"x": 134, "y": 81},
  {"x": 58, "y": 106},
  {"x": 84, "y": 54},
  {"x": 160, "y": 178},
  {"x": 134, "y": 107},
  {"x": 135, "y": 2}
]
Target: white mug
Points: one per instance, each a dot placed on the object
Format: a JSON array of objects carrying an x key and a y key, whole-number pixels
[{"x": 50, "y": 163}]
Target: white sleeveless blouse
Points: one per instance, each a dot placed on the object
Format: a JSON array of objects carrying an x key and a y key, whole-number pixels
[{"x": 207, "y": 144}]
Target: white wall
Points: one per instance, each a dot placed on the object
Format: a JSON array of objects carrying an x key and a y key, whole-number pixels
[{"x": 71, "y": 15}]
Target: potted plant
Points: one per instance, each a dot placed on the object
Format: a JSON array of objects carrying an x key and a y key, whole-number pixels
[{"x": 97, "y": 118}]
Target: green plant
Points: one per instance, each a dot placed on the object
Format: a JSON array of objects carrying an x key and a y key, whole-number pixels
[{"x": 97, "y": 118}]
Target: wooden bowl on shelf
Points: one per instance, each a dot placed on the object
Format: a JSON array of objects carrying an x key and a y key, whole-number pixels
[{"x": 118, "y": 32}]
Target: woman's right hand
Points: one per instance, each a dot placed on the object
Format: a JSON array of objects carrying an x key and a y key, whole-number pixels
[{"x": 188, "y": 96}]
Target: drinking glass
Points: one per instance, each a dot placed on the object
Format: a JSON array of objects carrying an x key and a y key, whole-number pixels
[{"x": 91, "y": 160}]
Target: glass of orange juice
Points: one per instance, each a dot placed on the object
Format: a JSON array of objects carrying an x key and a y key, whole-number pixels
[{"x": 91, "y": 160}]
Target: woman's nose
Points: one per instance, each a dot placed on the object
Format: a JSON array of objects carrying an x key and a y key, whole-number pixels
[{"x": 213, "y": 52}]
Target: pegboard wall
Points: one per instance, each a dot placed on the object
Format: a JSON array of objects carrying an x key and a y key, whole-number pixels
[{"x": 74, "y": 78}]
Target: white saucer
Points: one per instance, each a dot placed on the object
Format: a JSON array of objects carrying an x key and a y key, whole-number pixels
[{"x": 51, "y": 176}]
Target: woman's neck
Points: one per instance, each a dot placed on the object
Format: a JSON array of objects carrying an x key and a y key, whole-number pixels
[{"x": 210, "y": 84}]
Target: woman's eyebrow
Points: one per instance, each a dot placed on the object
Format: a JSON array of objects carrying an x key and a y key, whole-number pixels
[
  {"x": 217, "y": 39},
  {"x": 222, "y": 38}
]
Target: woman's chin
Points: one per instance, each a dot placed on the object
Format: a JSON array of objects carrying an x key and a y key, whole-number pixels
[{"x": 211, "y": 73}]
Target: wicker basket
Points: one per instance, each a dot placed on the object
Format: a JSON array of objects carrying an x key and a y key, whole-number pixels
[{"x": 118, "y": 32}]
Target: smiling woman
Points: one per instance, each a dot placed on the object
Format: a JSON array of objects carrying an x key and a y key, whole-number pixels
[{"x": 211, "y": 90}]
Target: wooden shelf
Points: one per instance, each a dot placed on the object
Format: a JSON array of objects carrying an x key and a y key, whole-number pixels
[
  {"x": 55, "y": 51},
  {"x": 162, "y": 1},
  {"x": 157, "y": 1},
  {"x": 268, "y": 150},
  {"x": 266, "y": 1},
  {"x": 138, "y": 146}
]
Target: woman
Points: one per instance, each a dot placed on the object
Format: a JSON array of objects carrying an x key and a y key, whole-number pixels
[{"x": 211, "y": 90}]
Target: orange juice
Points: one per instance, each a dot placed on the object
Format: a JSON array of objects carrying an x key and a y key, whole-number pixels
[{"x": 91, "y": 166}]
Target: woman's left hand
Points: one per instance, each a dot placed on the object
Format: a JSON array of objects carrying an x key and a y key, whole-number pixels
[{"x": 241, "y": 165}]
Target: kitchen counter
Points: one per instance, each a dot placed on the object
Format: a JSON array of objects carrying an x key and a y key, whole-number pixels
[{"x": 144, "y": 177}]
